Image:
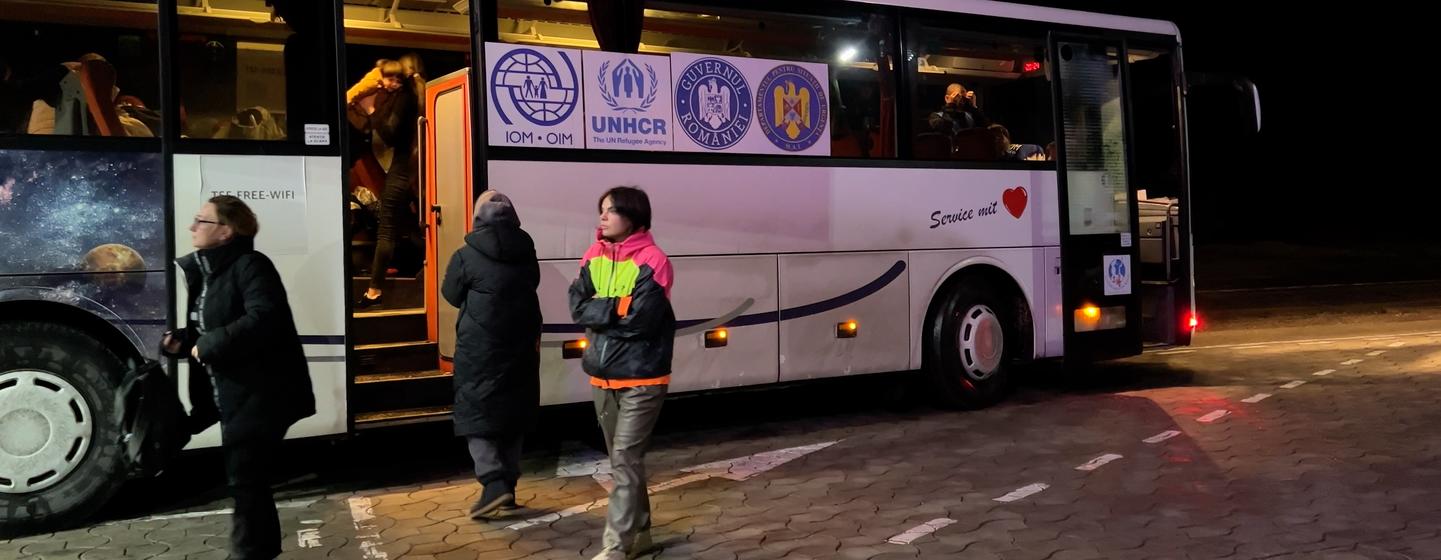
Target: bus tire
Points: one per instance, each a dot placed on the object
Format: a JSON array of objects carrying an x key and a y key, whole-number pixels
[
  {"x": 60, "y": 457},
  {"x": 971, "y": 345}
]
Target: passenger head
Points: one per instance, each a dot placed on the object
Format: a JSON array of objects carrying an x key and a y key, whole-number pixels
[
  {"x": 954, "y": 93},
  {"x": 411, "y": 66},
  {"x": 392, "y": 73},
  {"x": 494, "y": 208},
  {"x": 1002, "y": 136},
  {"x": 623, "y": 211},
  {"x": 220, "y": 221},
  {"x": 413, "y": 70}
]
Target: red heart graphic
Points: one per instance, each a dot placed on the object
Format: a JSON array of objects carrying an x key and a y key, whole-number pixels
[{"x": 1015, "y": 201}]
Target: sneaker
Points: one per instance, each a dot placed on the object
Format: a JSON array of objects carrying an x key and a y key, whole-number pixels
[
  {"x": 609, "y": 554},
  {"x": 491, "y": 499}
]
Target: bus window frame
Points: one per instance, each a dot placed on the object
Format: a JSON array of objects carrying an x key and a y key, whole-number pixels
[
  {"x": 96, "y": 142},
  {"x": 170, "y": 36}
]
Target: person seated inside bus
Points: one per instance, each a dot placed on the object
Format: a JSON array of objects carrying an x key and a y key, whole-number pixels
[
  {"x": 1015, "y": 152},
  {"x": 960, "y": 112},
  {"x": 132, "y": 108},
  {"x": 57, "y": 113},
  {"x": 65, "y": 110},
  {"x": 253, "y": 123},
  {"x": 18, "y": 93}
]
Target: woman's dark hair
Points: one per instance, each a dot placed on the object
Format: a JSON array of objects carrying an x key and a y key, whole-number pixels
[
  {"x": 630, "y": 202},
  {"x": 235, "y": 213}
]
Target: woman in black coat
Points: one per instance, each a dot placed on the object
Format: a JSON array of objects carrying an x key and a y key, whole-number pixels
[
  {"x": 242, "y": 334},
  {"x": 492, "y": 279}
]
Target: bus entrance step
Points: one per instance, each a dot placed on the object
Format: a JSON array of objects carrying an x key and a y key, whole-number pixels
[
  {"x": 398, "y": 293},
  {"x": 395, "y": 357},
  {"x": 367, "y": 420},
  {"x": 388, "y": 326},
  {"x": 376, "y": 393}
]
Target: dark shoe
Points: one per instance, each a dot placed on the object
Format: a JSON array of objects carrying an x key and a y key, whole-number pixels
[
  {"x": 491, "y": 499},
  {"x": 510, "y": 506},
  {"x": 366, "y": 303},
  {"x": 642, "y": 545}
]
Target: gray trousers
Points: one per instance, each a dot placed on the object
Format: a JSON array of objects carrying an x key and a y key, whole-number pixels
[
  {"x": 627, "y": 417},
  {"x": 496, "y": 459}
]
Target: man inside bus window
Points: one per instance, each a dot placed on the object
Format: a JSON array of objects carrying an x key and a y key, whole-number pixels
[{"x": 960, "y": 112}]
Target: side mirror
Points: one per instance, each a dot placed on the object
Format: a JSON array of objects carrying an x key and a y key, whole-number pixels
[{"x": 1237, "y": 91}]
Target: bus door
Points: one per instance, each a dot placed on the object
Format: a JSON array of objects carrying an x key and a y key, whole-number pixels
[
  {"x": 449, "y": 195},
  {"x": 1160, "y": 180},
  {"x": 1099, "y": 255}
]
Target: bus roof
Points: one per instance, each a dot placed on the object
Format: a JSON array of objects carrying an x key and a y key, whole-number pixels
[{"x": 1039, "y": 13}]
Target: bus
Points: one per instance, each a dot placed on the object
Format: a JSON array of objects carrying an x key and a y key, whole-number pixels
[{"x": 946, "y": 187}]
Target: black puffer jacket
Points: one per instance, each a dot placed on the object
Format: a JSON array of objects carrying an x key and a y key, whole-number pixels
[
  {"x": 240, "y": 318},
  {"x": 492, "y": 279},
  {"x": 622, "y": 298}
]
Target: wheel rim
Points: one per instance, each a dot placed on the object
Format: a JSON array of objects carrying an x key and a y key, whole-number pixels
[
  {"x": 45, "y": 428},
  {"x": 981, "y": 341}
]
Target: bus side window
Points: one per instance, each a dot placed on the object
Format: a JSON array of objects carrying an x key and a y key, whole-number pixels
[
  {"x": 264, "y": 82},
  {"x": 77, "y": 71},
  {"x": 979, "y": 97}
]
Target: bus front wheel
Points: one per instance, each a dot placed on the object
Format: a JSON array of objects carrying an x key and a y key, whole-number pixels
[
  {"x": 59, "y": 450},
  {"x": 971, "y": 344}
]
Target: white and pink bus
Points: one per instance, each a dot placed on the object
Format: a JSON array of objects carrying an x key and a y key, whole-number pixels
[{"x": 950, "y": 187}]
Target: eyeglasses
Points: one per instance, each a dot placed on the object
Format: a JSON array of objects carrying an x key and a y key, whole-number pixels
[{"x": 199, "y": 221}]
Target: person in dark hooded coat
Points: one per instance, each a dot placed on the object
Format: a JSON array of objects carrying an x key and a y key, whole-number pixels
[
  {"x": 255, "y": 379},
  {"x": 493, "y": 281}
]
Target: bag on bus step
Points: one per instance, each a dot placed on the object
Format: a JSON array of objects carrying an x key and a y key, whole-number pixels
[{"x": 153, "y": 425}]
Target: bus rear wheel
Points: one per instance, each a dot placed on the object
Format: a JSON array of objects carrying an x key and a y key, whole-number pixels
[
  {"x": 971, "y": 344},
  {"x": 60, "y": 459}
]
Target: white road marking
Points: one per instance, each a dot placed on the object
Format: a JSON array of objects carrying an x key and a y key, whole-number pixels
[
  {"x": 920, "y": 530},
  {"x": 1098, "y": 462},
  {"x": 1163, "y": 436},
  {"x": 1023, "y": 492}
]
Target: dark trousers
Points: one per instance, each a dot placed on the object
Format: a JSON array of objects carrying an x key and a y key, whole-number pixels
[
  {"x": 255, "y": 525},
  {"x": 395, "y": 199},
  {"x": 497, "y": 459}
]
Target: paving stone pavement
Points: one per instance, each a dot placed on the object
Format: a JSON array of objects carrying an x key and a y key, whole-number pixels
[{"x": 1346, "y": 465}]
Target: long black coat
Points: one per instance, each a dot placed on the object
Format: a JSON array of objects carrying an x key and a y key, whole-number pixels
[
  {"x": 241, "y": 319},
  {"x": 492, "y": 279}
]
